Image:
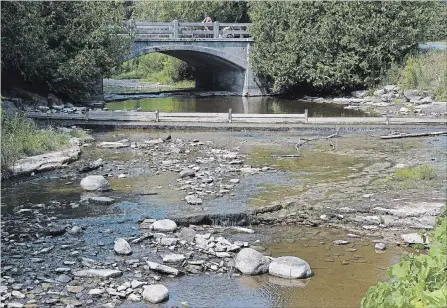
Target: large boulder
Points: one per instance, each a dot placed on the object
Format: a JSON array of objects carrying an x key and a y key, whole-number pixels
[
  {"x": 122, "y": 247},
  {"x": 251, "y": 262},
  {"x": 156, "y": 293},
  {"x": 95, "y": 182},
  {"x": 290, "y": 267},
  {"x": 47, "y": 161},
  {"x": 164, "y": 225}
]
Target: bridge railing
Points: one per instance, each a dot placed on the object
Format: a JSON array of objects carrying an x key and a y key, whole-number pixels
[{"x": 176, "y": 30}]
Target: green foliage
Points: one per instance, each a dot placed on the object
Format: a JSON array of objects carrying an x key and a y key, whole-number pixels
[
  {"x": 63, "y": 45},
  {"x": 20, "y": 137},
  {"x": 417, "y": 280},
  {"x": 192, "y": 11},
  {"x": 334, "y": 46},
  {"x": 415, "y": 173},
  {"x": 425, "y": 71},
  {"x": 156, "y": 67}
]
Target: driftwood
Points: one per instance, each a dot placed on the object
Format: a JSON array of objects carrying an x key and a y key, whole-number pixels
[
  {"x": 403, "y": 135},
  {"x": 286, "y": 156},
  {"x": 299, "y": 144}
]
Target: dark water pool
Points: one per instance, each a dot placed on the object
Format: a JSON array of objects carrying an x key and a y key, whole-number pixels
[{"x": 221, "y": 104}]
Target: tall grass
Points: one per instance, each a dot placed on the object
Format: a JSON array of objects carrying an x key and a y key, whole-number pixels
[
  {"x": 20, "y": 138},
  {"x": 156, "y": 67},
  {"x": 425, "y": 71}
]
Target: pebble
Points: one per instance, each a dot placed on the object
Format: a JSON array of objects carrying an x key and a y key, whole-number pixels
[
  {"x": 380, "y": 246},
  {"x": 340, "y": 242}
]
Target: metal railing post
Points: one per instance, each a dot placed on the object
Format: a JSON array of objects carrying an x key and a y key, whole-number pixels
[
  {"x": 230, "y": 115},
  {"x": 306, "y": 116},
  {"x": 157, "y": 116},
  {"x": 216, "y": 29},
  {"x": 176, "y": 27}
]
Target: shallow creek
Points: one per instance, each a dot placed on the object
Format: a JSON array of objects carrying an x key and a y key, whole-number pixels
[{"x": 342, "y": 273}]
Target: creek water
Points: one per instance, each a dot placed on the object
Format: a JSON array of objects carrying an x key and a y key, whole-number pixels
[
  {"x": 221, "y": 104},
  {"x": 342, "y": 273}
]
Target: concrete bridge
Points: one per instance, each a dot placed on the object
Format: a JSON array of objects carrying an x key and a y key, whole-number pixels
[{"x": 220, "y": 52}]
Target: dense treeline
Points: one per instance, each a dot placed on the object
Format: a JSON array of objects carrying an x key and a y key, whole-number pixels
[
  {"x": 310, "y": 46},
  {"x": 192, "y": 11},
  {"x": 337, "y": 46},
  {"x": 60, "y": 46}
]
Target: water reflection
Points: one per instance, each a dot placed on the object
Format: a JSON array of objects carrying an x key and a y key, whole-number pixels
[{"x": 221, "y": 104}]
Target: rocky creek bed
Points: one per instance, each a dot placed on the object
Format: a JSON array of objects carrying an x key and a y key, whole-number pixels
[{"x": 337, "y": 206}]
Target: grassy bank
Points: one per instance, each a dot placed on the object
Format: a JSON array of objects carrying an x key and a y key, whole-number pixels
[
  {"x": 417, "y": 280},
  {"x": 157, "y": 67},
  {"x": 20, "y": 137},
  {"x": 426, "y": 71}
]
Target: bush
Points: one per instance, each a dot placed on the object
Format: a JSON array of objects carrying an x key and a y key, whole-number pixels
[
  {"x": 417, "y": 280},
  {"x": 334, "y": 46},
  {"x": 20, "y": 137},
  {"x": 426, "y": 71}
]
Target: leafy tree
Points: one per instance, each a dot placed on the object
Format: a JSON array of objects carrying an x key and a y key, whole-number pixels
[
  {"x": 334, "y": 46},
  {"x": 63, "y": 46},
  {"x": 192, "y": 11}
]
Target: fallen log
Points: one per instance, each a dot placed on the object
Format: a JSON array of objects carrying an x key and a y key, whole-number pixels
[
  {"x": 286, "y": 156},
  {"x": 412, "y": 135}
]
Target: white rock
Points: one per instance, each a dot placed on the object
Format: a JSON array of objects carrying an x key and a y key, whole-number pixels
[
  {"x": 95, "y": 182},
  {"x": 187, "y": 234},
  {"x": 223, "y": 254},
  {"x": 380, "y": 246},
  {"x": 122, "y": 247},
  {"x": 75, "y": 230},
  {"x": 113, "y": 145},
  {"x": 340, "y": 242},
  {"x": 290, "y": 267},
  {"x": 163, "y": 268},
  {"x": 164, "y": 225},
  {"x": 244, "y": 230},
  {"x": 47, "y": 161},
  {"x": 412, "y": 238},
  {"x": 15, "y": 305},
  {"x": 187, "y": 172},
  {"x": 174, "y": 258},
  {"x": 156, "y": 293},
  {"x": 168, "y": 241},
  {"x": 234, "y": 181},
  {"x": 251, "y": 262},
  {"x": 96, "y": 291},
  {"x": 135, "y": 284},
  {"x": 191, "y": 199},
  {"x": 100, "y": 273},
  {"x": 17, "y": 294},
  {"x": 134, "y": 297}
]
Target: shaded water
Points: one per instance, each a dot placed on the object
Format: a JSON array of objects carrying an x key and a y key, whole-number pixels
[{"x": 221, "y": 104}]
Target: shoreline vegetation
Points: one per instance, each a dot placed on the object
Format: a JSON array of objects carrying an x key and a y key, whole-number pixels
[
  {"x": 418, "y": 280},
  {"x": 22, "y": 138}
]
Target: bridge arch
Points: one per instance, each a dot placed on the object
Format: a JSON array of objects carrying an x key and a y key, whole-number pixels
[
  {"x": 219, "y": 66},
  {"x": 194, "y": 55}
]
